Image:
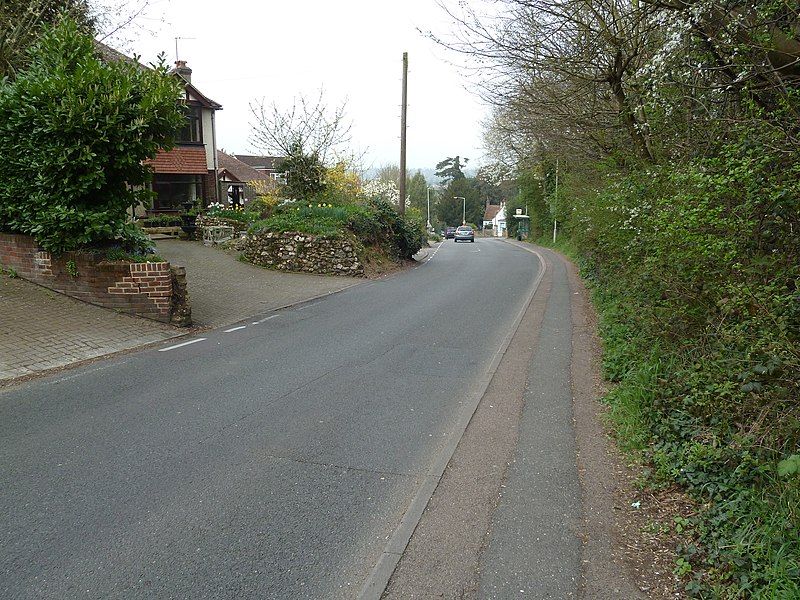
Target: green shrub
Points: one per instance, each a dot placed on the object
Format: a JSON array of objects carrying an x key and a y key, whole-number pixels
[
  {"x": 374, "y": 224},
  {"x": 233, "y": 214},
  {"x": 74, "y": 134},
  {"x": 161, "y": 221},
  {"x": 696, "y": 271}
]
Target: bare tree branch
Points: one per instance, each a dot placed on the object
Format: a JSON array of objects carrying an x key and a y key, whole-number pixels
[{"x": 308, "y": 127}]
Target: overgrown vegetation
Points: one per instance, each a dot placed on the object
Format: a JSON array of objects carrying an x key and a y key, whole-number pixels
[
  {"x": 74, "y": 133},
  {"x": 320, "y": 193},
  {"x": 664, "y": 139},
  {"x": 9, "y": 272},
  {"x": 21, "y": 22},
  {"x": 375, "y": 223},
  {"x": 696, "y": 270}
]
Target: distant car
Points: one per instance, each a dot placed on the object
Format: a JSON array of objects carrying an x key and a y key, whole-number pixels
[
  {"x": 450, "y": 233},
  {"x": 464, "y": 233}
]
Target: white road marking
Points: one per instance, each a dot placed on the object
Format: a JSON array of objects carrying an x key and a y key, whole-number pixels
[
  {"x": 183, "y": 344},
  {"x": 264, "y": 319}
]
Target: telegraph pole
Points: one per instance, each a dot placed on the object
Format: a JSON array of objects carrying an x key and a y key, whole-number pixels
[{"x": 404, "y": 105}]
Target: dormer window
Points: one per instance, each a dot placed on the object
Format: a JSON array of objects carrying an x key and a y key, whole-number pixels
[{"x": 192, "y": 131}]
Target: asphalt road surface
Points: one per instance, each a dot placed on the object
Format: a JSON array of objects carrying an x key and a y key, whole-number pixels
[{"x": 288, "y": 456}]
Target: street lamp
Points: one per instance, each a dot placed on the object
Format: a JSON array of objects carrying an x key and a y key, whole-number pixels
[
  {"x": 464, "y": 212},
  {"x": 429, "y": 209}
]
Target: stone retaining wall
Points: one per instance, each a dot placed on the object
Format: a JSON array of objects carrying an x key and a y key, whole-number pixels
[
  {"x": 303, "y": 252},
  {"x": 155, "y": 291}
]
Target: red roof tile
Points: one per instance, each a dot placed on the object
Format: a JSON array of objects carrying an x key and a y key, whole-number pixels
[
  {"x": 491, "y": 212},
  {"x": 184, "y": 161}
]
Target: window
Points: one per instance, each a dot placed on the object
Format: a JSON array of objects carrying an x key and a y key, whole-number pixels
[
  {"x": 173, "y": 190},
  {"x": 192, "y": 131}
]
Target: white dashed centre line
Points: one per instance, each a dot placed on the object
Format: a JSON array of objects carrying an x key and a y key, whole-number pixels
[
  {"x": 181, "y": 345},
  {"x": 264, "y": 319}
]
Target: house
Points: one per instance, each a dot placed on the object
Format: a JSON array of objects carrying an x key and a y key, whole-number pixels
[
  {"x": 188, "y": 172},
  {"x": 268, "y": 165},
  {"x": 494, "y": 217},
  {"x": 238, "y": 181}
]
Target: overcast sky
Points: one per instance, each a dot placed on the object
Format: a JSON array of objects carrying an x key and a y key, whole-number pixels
[{"x": 243, "y": 51}]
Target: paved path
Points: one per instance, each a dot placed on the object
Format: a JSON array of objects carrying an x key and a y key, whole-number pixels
[
  {"x": 41, "y": 329},
  {"x": 224, "y": 290}
]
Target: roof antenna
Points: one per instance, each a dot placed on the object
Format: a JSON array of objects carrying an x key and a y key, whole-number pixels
[{"x": 176, "y": 45}]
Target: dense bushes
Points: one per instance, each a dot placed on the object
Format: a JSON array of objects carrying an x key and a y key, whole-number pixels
[
  {"x": 74, "y": 132},
  {"x": 696, "y": 268},
  {"x": 374, "y": 223}
]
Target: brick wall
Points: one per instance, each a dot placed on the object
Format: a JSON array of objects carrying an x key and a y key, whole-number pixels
[{"x": 151, "y": 290}]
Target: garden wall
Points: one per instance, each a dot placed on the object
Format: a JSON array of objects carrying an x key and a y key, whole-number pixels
[
  {"x": 155, "y": 291},
  {"x": 302, "y": 252}
]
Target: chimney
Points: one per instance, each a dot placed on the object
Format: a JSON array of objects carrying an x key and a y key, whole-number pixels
[{"x": 182, "y": 70}]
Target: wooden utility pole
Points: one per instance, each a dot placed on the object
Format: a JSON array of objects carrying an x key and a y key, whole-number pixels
[{"x": 404, "y": 105}]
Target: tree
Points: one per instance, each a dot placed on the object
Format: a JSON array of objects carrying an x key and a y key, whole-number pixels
[
  {"x": 416, "y": 186},
  {"x": 451, "y": 208},
  {"x": 566, "y": 72},
  {"x": 418, "y": 192},
  {"x": 389, "y": 173},
  {"x": 342, "y": 185},
  {"x": 450, "y": 169},
  {"x": 74, "y": 134},
  {"x": 21, "y": 22},
  {"x": 303, "y": 174},
  {"x": 745, "y": 65},
  {"x": 491, "y": 182},
  {"x": 308, "y": 135}
]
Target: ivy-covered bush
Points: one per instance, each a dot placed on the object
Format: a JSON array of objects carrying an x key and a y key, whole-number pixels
[{"x": 74, "y": 133}]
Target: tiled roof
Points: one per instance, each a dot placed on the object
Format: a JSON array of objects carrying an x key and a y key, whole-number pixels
[
  {"x": 110, "y": 55},
  {"x": 239, "y": 170},
  {"x": 491, "y": 212},
  {"x": 183, "y": 161},
  {"x": 260, "y": 163},
  {"x": 192, "y": 93}
]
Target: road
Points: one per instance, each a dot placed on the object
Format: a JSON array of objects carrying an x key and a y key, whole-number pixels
[{"x": 288, "y": 456}]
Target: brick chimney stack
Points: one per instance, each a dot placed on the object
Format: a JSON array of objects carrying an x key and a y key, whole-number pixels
[{"x": 182, "y": 70}]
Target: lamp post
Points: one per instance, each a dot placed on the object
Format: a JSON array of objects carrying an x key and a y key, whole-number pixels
[
  {"x": 464, "y": 211},
  {"x": 429, "y": 209}
]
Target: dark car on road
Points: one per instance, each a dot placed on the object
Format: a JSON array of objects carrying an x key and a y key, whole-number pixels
[
  {"x": 450, "y": 233},
  {"x": 465, "y": 234}
]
